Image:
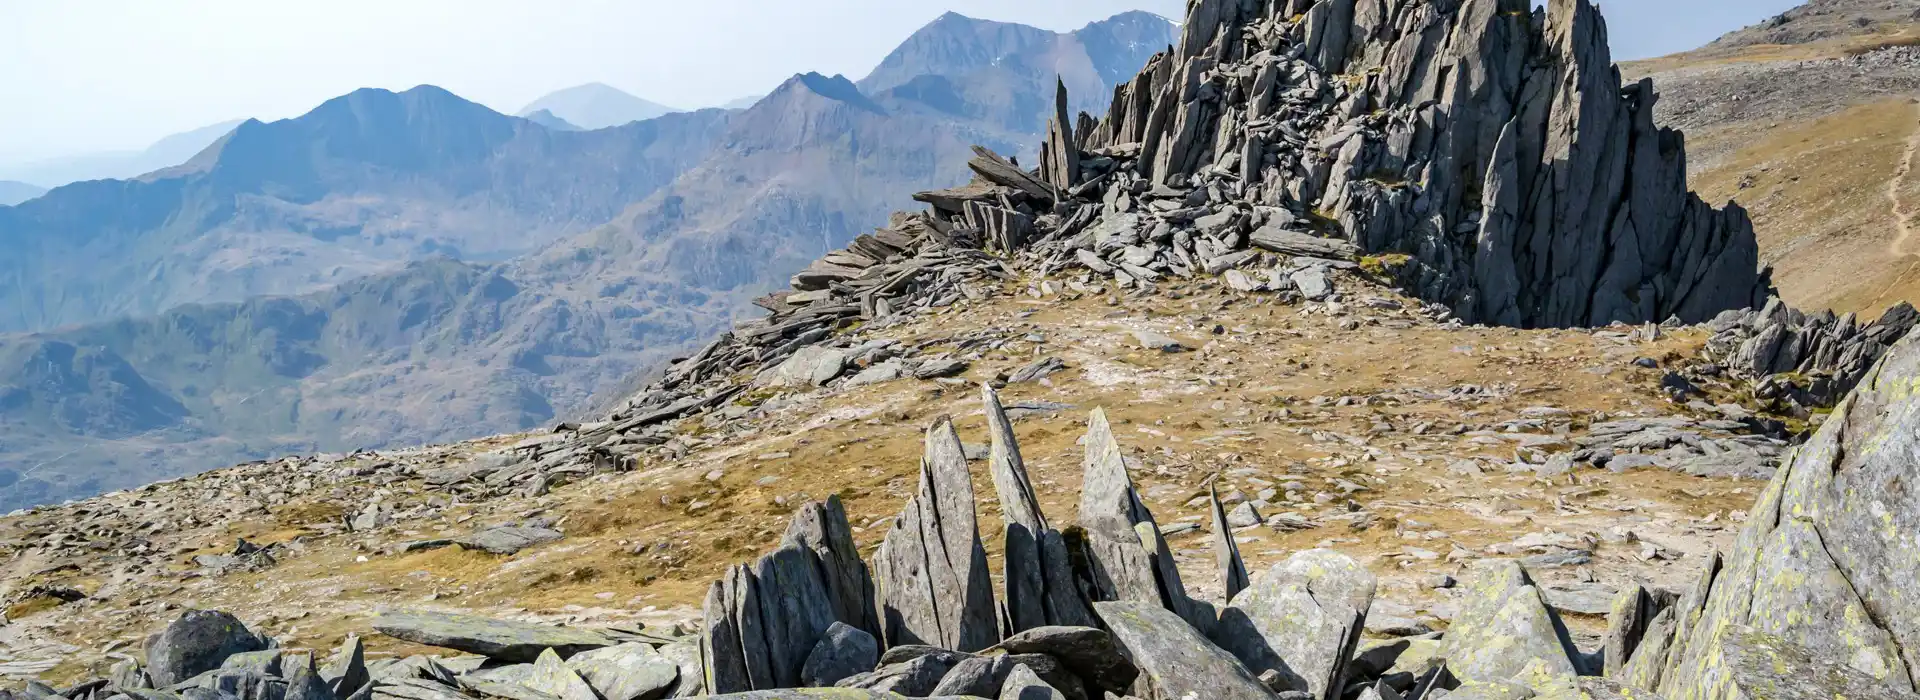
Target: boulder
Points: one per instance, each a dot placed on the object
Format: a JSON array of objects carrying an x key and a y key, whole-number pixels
[
  {"x": 1090, "y": 652},
  {"x": 842, "y": 652},
  {"x": 508, "y": 540},
  {"x": 1174, "y": 660},
  {"x": 1505, "y": 633},
  {"x": 1022, "y": 684},
  {"x": 631, "y": 671},
  {"x": 552, "y": 676},
  {"x": 1823, "y": 560},
  {"x": 498, "y": 639},
  {"x": 196, "y": 642},
  {"x": 1301, "y": 619},
  {"x": 811, "y": 365}
]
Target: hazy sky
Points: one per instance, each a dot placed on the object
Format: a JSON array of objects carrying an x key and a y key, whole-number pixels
[{"x": 91, "y": 75}]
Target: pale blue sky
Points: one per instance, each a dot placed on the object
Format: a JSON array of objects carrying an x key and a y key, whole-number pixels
[{"x": 91, "y": 75}]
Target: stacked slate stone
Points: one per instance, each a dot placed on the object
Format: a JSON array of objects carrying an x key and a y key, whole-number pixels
[
  {"x": 1491, "y": 143},
  {"x": 1823, "y": 355}
]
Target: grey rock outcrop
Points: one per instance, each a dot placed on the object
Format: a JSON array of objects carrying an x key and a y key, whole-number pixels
[
  {"x": 499, "y": 639},
  {"x": 1039, "y": 588},
  {"x": 196, "y": 642},
  {"x": 1301, "y": 620},
  {"x": 1492, "y": 145},
  {"x": 1128, "y": 557},
  {"x": 1827, "y": 355},
  {"x": 1174, "y": 660},
  {"x": 1821, "y": 571},
  {"x": 930, "y": 572},
  {"x": 844, "y": 651},
  {"x": 763, "y": 622},
  {"x": 1507, "y": 633}
]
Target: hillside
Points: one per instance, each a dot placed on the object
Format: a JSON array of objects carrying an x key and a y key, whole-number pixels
[
  {"x": 360, "y": 185},
  {"x": 1488, "y": 416},
  {"x": 588, "y": 315},
  {"x": 1809, "y": 120}
]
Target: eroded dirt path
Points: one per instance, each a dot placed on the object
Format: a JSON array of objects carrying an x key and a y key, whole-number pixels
[{"x": 1903, "y": 214}]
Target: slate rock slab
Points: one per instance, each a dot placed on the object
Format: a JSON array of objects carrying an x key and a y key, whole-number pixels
[
  {"x": 1302, "y": 619},
  {"x": 1505, "y": 632},
  {"x": 1089, "y": 652},
  {"x": 550, "y": 675},
  {"x": 1174, "y": 660},
  {"x": 196, "y": 642},
  {"x": 632, "y": 671},
  {"x": 498, "y": 639},
  {"x": 507, "y": 540}
]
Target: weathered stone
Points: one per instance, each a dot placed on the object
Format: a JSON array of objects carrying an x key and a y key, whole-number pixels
[
  {"x": 913, "y": 678},
  {"x": 1039, "y": 586},
  {"x": 1090, "y": 652},
  {"x": 844, "y": 651},
  {"x": 812, "y": 365},
  {"x": 550, "y": 675},
  {"x": 507, "y": 540},
  {"x": 1505, "y": 632},
  {"x": 346, "y": 672},
  {"x": 1822, "y": 561},
  {"x": 931, "y": 569},
  {"x": 1023, "y": 684},
  {"x": 1302, "y": 619},
  {"x": 822, "y": 528},
  {"x": 305, "y": 683},
  {"x": 1123, "y": 562},
  {"x": 1233, "y": 569},
  {"x": 499, "y": 639},
  {"x": 691, "y": 680},
  {"x": 979, "y": 676},
  {"x": 1285, "y": 242},
  {"x": 631, "y": 671},
  {"x": 196, "y": 642},
  {"x": 1173, "y": 659}
]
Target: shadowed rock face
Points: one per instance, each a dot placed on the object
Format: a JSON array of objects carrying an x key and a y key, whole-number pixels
[{"x": 1817, "y": 588}]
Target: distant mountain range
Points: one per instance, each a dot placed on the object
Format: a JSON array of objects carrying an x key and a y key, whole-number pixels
[
  {"x": 360, "y": 185},
  {"x": 167, "y": 152},
  {"x": 460, "y": 272},
  {"x": 595, "y": 106},
  {"x": 12, "y": 192}
]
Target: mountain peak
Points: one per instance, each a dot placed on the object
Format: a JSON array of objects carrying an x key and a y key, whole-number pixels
[
  {"x": 596, "y": 106},
  {"x": 836, "y": 87}
]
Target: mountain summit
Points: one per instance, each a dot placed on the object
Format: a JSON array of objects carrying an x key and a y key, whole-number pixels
[{"x": 596, "y": 106}]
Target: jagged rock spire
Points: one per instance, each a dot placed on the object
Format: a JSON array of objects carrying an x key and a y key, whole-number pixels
[
  {"x": 1492, "y": 144},
  {"x": 1233, "y": 570},
  {"x": 1128, "y": 557},
  {"x": 1040, "y": 588},
  {"x": 931, "y": 570}
]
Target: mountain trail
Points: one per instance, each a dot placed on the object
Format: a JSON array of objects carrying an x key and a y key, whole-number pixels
[{"x": 1903, "y": 215}]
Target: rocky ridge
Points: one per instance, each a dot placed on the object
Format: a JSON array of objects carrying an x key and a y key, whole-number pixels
[{"x": 921, "y": 264}]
